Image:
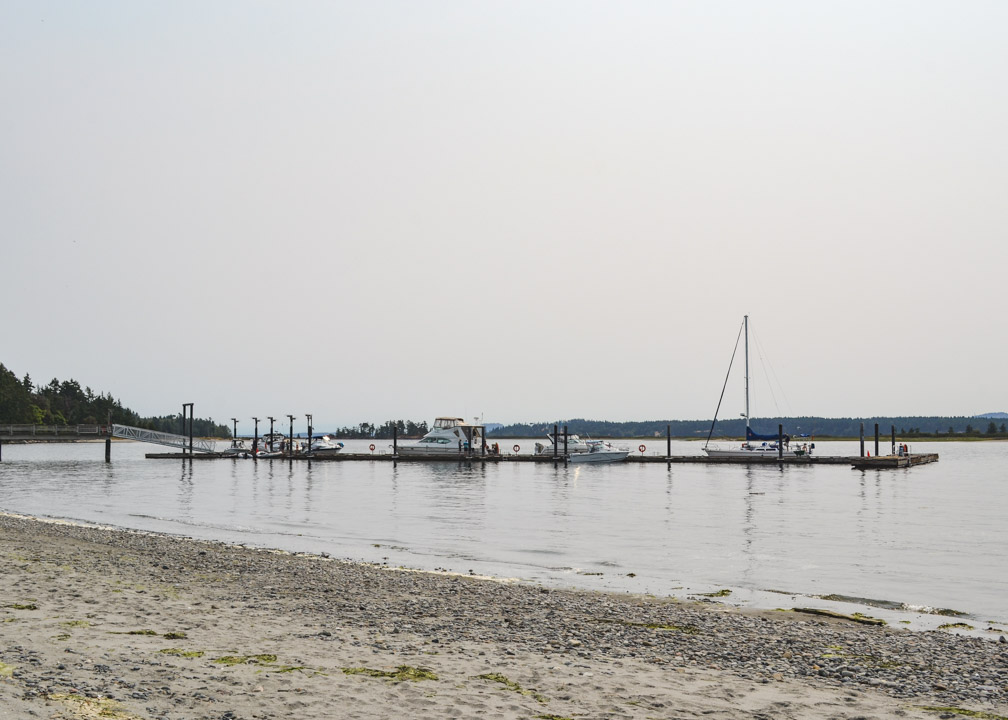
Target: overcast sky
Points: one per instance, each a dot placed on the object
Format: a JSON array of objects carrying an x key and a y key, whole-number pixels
[{"x": 516, "y": 210}]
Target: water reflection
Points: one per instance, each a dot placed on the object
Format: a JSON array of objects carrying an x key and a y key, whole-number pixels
[
  {"x": 806, "y": 529},
  {"x": 186, "y": 491}
]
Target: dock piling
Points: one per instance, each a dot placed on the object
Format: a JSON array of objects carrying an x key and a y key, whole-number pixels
[
  {"x": 893, "y": 451},
  {"x": 780, "y": 441},
  {"x": 566, "y": 454},
  {"x": 255, "y": 442},
  {"x": 862, "y": 439},
  {"x": 309, "y": 451},
  {"x": 668, "y": 445},
  {"x": 876, "y": 439},
  {"x": 108, "y": 439}
]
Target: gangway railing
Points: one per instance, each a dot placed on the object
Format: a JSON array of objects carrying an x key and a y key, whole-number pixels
[
  {"x": 45, "y": 431},
  {"x": 162, "y": 438}
]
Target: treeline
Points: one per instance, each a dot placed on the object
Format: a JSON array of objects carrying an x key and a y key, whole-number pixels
[
  {"x": 906, "y": 426},
  {"x": 22, "y": 402},
  {"x": 365, "y": 430}
]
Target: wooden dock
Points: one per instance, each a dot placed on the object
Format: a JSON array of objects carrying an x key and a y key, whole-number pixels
[
  {"x": 861, "y": 463},
  {"x": 893, "y": 462}
]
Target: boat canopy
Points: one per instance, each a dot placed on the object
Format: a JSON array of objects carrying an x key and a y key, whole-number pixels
[
  {"x": 447, "y": 422},
  {"x": 750, "y": 435}
]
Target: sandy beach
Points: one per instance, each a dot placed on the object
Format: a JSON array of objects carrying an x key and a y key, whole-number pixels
[{"x": 106, "y": 623}]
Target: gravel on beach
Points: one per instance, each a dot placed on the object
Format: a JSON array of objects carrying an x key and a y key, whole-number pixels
[{"x": 139, "y": 625}]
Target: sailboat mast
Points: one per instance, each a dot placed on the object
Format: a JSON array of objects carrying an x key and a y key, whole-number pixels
[{"x": 747, "y": 377}]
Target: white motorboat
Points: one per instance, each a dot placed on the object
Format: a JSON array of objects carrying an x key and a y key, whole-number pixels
[
  {"x": 324, "y": 445},
  {"x": 451, "y": 436},
  {"x": 272, "y": 445},
  {"x": 600, "y": 452},
  {"x": 574, "y": 445},
  {"x": 237, "y": 450},
  {"x": 756, "y": 446}
]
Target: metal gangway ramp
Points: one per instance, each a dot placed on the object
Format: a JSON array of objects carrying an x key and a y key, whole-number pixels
[{"x": 161, "y": 438}]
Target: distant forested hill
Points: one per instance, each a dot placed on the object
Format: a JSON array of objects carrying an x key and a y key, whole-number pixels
[
  {"x": 66, "y": 403},
  {"x": 735, "y": 427}
]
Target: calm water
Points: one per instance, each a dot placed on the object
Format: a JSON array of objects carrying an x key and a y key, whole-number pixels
[{"x": 931, "y": 537}]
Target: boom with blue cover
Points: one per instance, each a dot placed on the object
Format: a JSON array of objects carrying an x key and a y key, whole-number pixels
[{"x": 750, "y": 436}]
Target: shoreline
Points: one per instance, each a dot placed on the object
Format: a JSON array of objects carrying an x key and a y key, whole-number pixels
[{"x": 163, "y": 626}]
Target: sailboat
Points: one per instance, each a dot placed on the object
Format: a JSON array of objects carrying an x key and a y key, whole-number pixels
[{"x": 756, "y": 446}]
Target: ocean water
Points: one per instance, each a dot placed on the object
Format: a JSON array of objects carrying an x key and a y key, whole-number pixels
[{"x": 891, "y": 544}]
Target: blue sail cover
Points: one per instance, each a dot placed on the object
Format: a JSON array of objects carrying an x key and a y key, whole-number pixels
[{"x": 750, "y": 436}]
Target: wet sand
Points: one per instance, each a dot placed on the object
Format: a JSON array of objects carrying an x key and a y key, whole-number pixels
[{"x": 137, "y": 625}]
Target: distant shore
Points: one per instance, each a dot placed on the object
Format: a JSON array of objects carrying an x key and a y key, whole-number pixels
[{"x": 153, "y": 626}]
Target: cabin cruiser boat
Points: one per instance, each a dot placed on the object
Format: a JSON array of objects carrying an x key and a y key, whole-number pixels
[
  {"x": 450, "y": 437},
  {"x": 272, "y": 445},
  {"x": 600, "y": 452},
  {"x": 574, "y": 445},
  {"x": 324, "y": 445}
]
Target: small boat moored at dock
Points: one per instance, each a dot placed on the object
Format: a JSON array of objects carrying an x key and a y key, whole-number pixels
[
  {"x": 600, "y": 451},
  {"x": 574, "y": 445},
  {"x": 324, "y": 445}
]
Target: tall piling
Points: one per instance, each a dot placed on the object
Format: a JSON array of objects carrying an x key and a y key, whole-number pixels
[
  {"x": 556, "y": 431},
  {"x": 309, "y": 417},
  {"x": 566, "y": 454},
  {"x": 862, "y": 439},
  {"x": 108, "y": 439},
  {"x": 668, "y": 445},
  {"x": 893, "y": 451},
  {"x": 780, "y": 441},
  {"x": 876, "y": 439}
]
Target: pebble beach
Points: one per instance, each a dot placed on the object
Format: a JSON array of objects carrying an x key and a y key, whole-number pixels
[{"x": 101, "y": 622}]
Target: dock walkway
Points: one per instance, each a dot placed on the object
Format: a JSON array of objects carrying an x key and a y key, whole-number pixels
[{"x": 867, "y": 463}]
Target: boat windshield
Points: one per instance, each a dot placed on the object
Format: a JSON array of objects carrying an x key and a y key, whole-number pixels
[{"x": 448, "y": 423}]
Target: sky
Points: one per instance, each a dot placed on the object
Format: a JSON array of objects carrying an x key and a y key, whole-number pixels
[{"x": 511, "y": 210}]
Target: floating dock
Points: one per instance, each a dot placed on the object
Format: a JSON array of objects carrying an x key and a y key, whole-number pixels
[
  {"x": 885, "y": 462},
  {"x": 892, "y": 462}
]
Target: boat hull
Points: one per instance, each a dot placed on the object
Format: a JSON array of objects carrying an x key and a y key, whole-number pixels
[
  {"x": 752, "y": 454},
  {"x": 415, "y": 451},
  {"x": 605, "y": 456},
  {"x": 324, "y": 452}
]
